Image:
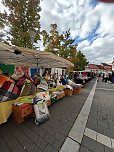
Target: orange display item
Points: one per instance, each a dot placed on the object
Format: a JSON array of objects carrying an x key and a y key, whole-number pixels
[{"x": 3, "y": 79}]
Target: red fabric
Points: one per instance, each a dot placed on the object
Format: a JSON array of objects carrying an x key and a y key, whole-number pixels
[
  {"x": 25, "y": 105},
  {"x": 3, "y": 79},
  {"x": 25, "y": 76},
  {"x": 9, "y": 91},
  {"x": 21, "y": 69},
  {"x": 21, "y": 81},
  {"x": 84, "y": 73}
]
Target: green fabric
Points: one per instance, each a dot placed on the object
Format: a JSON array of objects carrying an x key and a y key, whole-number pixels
[
  {"x": 25, "y": 99},
  {"x": 7, "y": 68}
]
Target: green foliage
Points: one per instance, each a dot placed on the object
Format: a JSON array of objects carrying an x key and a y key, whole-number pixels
[
  {"x": 61, "y": 45},
  {"x": 80, "y": 61},
  {"x": 2, "y": 24},
  {"x": 23, "y": 16}
]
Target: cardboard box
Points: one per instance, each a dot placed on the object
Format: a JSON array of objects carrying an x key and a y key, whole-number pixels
[
  {"x": 61, "y": 95},
  {"x": 20, "y": 113},
  {"x": 68, "y": 92},
  {"x": 77, "y": 91},
  {"x": 49, "y": 102}
]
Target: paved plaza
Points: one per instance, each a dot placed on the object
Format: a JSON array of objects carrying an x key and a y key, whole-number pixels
[
  {"x": 101, "y": 121},
  {"x": 80, "y": 123}
]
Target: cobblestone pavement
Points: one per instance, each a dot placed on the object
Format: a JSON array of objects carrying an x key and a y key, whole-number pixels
[
  {"x": 49, "y": 137},
  {"x": 101, "y": 119}
]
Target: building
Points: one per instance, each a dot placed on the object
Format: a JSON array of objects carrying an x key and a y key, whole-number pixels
[
  {"x": 99, "y": 68},
  {"x": 91, "y": 68},
  {"x": 107, "y": 67},
  {"x": 58, "y": 72}
]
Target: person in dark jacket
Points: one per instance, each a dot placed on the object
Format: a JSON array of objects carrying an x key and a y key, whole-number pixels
[
  {"x": 63, "y": 81},
  {"x": 112, "y": 76}
]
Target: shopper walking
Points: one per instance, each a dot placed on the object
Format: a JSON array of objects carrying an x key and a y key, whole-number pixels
[{"x": 106, "y": 77}]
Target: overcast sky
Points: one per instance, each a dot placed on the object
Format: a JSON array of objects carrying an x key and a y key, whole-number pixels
[{"x": 91, "y": 24}]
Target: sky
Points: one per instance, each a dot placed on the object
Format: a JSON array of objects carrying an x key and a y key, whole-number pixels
[{"x": 91, "y": 24}]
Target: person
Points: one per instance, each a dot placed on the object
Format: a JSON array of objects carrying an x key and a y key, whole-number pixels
[
  {"x": 46, "y": 75},
  {"x": 80, "y": 75},
  {"x": 98, "y": 76},
  {"x": 75, "y": 77},
  {"x": 112, "y": 76},
  {"x": 36, "y": 79},
  {"x": 106, "y": 76},
  {"x": 103, "y": 77},
  {"x": 63, "y": 81}
]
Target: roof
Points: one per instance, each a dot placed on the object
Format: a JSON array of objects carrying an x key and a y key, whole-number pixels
[
  {"x": 92, "y": 66},
  {"x": 104, "y": 64},
  {"x": 108, "y": 68},
  {"x": 100, "y": 67},
  {"x": 30, "y": 57}
]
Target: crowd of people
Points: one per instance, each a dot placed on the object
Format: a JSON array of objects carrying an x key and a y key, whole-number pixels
[{"x": 106, "y": 77}]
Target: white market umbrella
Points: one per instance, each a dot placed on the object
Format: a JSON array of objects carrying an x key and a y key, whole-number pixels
[{"x": 29, "y": 57}]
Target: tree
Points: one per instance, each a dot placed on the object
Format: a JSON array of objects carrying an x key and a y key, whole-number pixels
[
  {"x": 22, "y": 17},
  {"x": 57, "y": 43},
  {"x": 51, "y": 41},
  {"x": 2, "y": 24},
  {"x": 80, "y": 61},
  {"x": 61, "y": 45}
]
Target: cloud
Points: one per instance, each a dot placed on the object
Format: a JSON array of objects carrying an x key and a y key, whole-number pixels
[
  {"x": 91, "y": 23},
  {"x": 99, "y": 52},
  {"x": 101, "y": 49}
]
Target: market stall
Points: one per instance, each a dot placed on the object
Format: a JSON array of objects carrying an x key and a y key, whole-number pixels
[{"x": 26, "y": 57}]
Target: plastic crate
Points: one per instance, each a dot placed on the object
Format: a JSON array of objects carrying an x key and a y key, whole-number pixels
[{"x": 54, "y": 99}]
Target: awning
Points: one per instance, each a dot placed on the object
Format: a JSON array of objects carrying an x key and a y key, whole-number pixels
[{"x": 30, "y": 57}]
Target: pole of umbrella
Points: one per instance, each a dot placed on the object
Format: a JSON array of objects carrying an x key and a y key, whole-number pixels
[{"x": 37, "y": 65}]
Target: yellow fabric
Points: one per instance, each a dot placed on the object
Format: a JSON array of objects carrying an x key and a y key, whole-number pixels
[
  {"x": 58, "y": 88},
  {"x": 28, "y": 81},
  {"x": 5, "y": 111},
  {"x": 6, "y": 107},
  {"x": 25, "y": 99}
]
